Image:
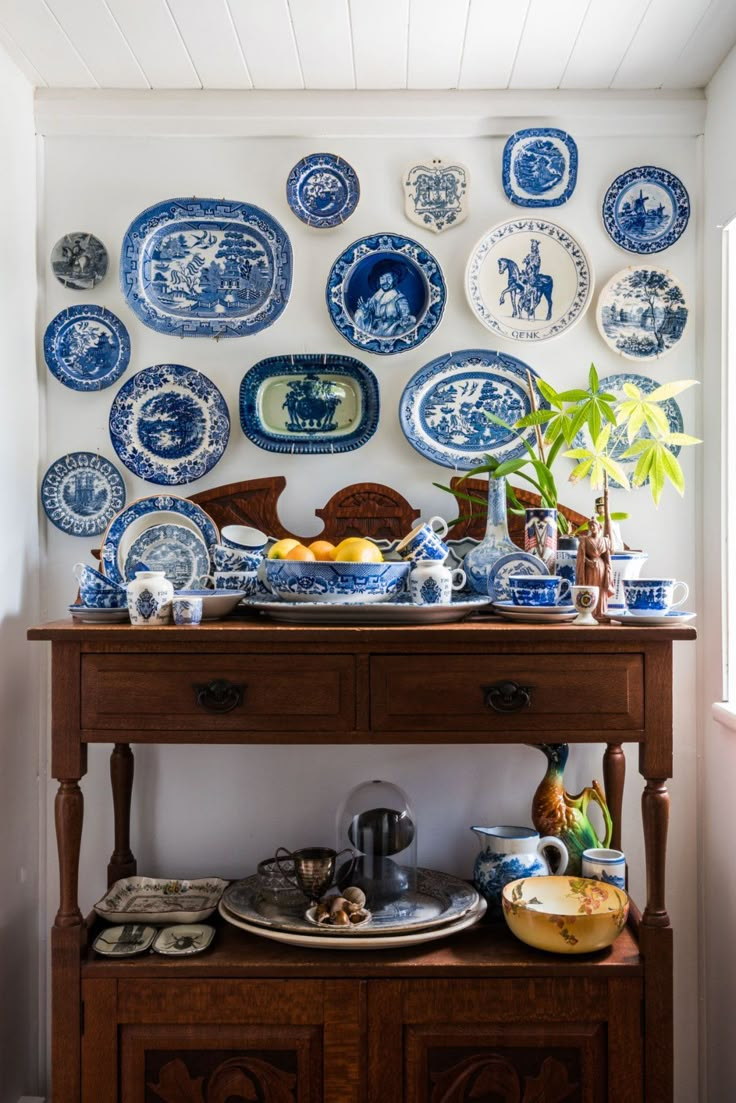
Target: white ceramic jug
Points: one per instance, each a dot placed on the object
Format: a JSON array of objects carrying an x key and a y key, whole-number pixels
[
  {"x": 149, "y": 598},
  {"x": 430, "y": 583}
]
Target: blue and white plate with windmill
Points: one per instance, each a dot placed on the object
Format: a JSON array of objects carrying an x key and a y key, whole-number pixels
[
  {"x": 618, "y": 442},
  {"x": 167, "y": 511},
  {"x": 540, "y": 167},
  {"x": 642, "y": 312},
  {"x": 646, "y": 209},
  {"x": 86, "y": 347},
  {"x": 322, "y": 190},
  {"x": 81, "y": 493}
]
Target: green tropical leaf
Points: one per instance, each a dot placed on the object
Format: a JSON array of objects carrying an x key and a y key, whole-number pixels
[
  {"x": 581, "y": 471},
  {"x": 680, "y": 438},
  {"x": 643, "y": 467},
  {"x": 573, "y": 396},
  {"x": 548, "y": 393},
  {"x": 537, "y": 417},
  {"x": 669, "y": 390},
  {"x": 615, "y": 470},
  {"x": 673, "y": 471},
  {"x": 656, "y": 474},
  {"x": 593, "y": 378}
]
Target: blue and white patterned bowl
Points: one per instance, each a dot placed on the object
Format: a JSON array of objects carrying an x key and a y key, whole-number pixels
[
  {"x": 97, "y": 591},
  {"x": 296, "y": 580}
]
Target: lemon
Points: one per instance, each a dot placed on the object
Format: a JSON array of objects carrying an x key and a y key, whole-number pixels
[
  {"x": 281, "y": 548},
  {"x": 356, "y": 549}
]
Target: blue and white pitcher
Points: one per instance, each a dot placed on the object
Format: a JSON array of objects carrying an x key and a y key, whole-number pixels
[{"x": 508, "y": 853}]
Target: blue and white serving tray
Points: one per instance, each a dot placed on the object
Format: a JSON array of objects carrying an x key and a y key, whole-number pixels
[
  {"x": 444, "y": 406},
  {"x": 646, "y": 209},
  {"x": 206, "y": 268},
  {"x": 169, "y": 424},
  {"x": 81, "y": 493},
  {"x": 86, "y": 347},
  {"x": 322, "y": 190},
  {"x": 435, "y": 195},
  {"x": 147, "y": 513},
  {"x": 79, "y": 261},
  {"x": 642, "y": 312},
  {"x": 386, "y": 293},
  {"x": 540, "y": 167}
]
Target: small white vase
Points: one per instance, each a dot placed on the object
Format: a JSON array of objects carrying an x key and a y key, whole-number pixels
[
  {"x": 432, "y": 584},
  {"x": 150, "y": 595}
]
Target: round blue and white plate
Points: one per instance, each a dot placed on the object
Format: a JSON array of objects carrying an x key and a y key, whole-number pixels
[
  {"x": 618, "y": 441},
  {"x": 501, "y": 569},
  {"x": 654, "y": 620},
  {"x": 79, "y": 261},
  {"x": 527, "y": 615},
  {"x": 322, "y": 190},
  {"x": 169, "y": 424},
  {"x": 642, "y": 312},
  {"x": 86, "y": 347},
  {"x": 146, "y": 513},
  {"x": 444, "y": 405},
  {"x": 646, "y": 209},
  {"x": 181, "y": 553},
  {"x": 386, "y": 293},
  {"x": 85, "y": 615},
  {"x": 81, "y": 493}
]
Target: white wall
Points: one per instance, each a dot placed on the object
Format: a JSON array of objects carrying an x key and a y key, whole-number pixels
[
  {"x": 203, "y": 810},
  {"x": 20, "y": 681}
]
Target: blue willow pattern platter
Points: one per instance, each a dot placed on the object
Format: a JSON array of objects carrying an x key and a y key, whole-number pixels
[
  {"x": 322, "y": 190},
  {"x": 81, "y": 493},
  {"x": 618, "y": 441},
  {"x": 309, "y": 403},
  {"x": 646, "y": 209},
  {"x": 386, "y": 293},
  {"x": 435, "y": 195},
  {"x": 169, "y": 424},
  {"x": 143, "y": 514},
  {"x": 86, "y": 347},
  {"x": 206, "y": 268},
  {"x": 79, "y": 261},
  {"x": 444, "y": 405},
  {"x": 181, "y": 553},
  {"x": 540, "y": 167},
  {"x": 642, "y": 312},
  {"x": 528, "y": 280}
]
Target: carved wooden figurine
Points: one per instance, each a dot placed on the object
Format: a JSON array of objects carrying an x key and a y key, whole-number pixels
[{"x": 593, "y": 564}]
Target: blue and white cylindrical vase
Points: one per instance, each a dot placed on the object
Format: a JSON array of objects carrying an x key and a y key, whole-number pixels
[
  {"x": 540, "y": 534},
  {"x": 496, "y": 542}
]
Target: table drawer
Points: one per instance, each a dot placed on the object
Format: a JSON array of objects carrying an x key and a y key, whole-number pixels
[
  {"x": 247, "y": 692},
  {"x": 457, "y": 693}
]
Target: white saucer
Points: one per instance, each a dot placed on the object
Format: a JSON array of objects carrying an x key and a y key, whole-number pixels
[
  {"x": 86, "y": 615},
  {"x": 544, "y": 609},
  {"x": 674, "y": 616},
  {"x": 531, "y": 616}
]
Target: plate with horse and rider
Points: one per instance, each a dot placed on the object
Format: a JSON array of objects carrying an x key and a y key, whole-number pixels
[{"x": 528, "y": 280}]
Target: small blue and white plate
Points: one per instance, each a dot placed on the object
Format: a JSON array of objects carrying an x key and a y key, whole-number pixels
[
  {"x": 654, "y": 620},
  {"x": 520, "y": 562},
  {"x": 642, "y": 312},
  {"x": 181, "y": 553},
  {"x": 81, "y": 493},
  {"x": 540, "y": 167},
  {"x": 84, "y": 614},
  {"x": 322, "y": 190},
  {"x": 79, "y": 261},
  {"x": 169, "y": 424},
  {"x": 646, "y": 209},
  {"x": 86, "y": 347},
  {"x": 529, "y": 615},
  {"x": 145, "y": 513}
]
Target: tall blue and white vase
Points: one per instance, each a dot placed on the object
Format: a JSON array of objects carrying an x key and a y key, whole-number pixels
[
  {"x": 496, "y": 541},
  {"x": 567, "y": 554},
  {"x": 540, "y": 534}
]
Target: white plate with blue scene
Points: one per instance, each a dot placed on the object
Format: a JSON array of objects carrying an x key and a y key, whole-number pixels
[
  {"x": 386, "y": 293},
  {"x": 642, "y": 312},
  {"x": 501, "y": 569},
  {"x": 322, "y": 190},
  {"x": 444, "y": 406},
  {"x": 79, "y": 261},
  {"x": 81, "y": 493},
  {"x": 646, "y": 209},
  {"x": 87, "y": 348},
  {"x": 309, "y": 403},
  {"x": 540, "y": 167},
  {"x": 181, "y": 553},
  {"x": 528, "y": 280},
  {"x": 400, "y": 610},
  {"x": 435, "y": 195},
  {"x": 206, "y": 268},
  {"x": 618, "y": 441},
  {"x": 169, "y": 424},
  {"x": 146, "y": 513},
  {"x": 654, "y": 620}
]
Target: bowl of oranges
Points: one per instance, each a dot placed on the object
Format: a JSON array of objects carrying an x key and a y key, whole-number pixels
[{"x": 353, "y": 571}]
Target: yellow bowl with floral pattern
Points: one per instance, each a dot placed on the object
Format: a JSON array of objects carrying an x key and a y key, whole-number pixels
[{"x": 565, "y": 915}]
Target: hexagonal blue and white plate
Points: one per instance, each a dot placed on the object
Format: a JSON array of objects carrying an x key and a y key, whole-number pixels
[
  {"x": 81, "y": 493},
  {"x": 86, "y": 347},
  {"x": 642, "y": 312},
  {"x": 386, "y": 293},
  {"x": 540, "y": 167},
  {"x": 444, "y": 405},
  {"x": 147, "y": 513},
  {"x": 646, "y": 209},
  {"x": 169, "y": 424},
  {"x": 181, "y": 553},
  {"x": 322, "y": 190}
]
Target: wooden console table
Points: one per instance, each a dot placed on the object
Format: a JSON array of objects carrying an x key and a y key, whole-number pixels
[{"x": 479, "y": 1015}]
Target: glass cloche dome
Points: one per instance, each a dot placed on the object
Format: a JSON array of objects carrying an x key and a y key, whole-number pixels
[{"x": 378, "y": 823}]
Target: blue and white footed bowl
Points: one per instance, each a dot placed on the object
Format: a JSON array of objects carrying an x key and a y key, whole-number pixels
[{"x": 359, "y": 583}]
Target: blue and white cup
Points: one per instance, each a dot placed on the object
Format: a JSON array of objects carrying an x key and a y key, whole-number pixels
[
  {"x": 644, "y": 596},
  {"x": 425, "y": 541},
  {"x": 247, "y": 581},
  {"x": 539, "y": 590},
  {"x": 605, "y": 865},
  {"x": 97, "y": 591},
  {"x": 431, "y": 583},
  {"x": 186, "y": 610},
  {"x": 244, "y": 538},
  {"x": 226, "y": 558}
]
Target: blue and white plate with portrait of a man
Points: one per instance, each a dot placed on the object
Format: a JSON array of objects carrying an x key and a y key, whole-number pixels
[{"x": 386, "y": 293}]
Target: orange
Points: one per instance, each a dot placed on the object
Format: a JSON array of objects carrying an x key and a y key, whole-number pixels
[
  {"x": 281, "y": 547},
  {"x": 300, "y": 552},
  {"x": 322, "y": 549},
  {"x": 356, "y": 549}
]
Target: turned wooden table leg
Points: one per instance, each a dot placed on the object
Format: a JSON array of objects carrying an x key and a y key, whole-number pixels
[
  {"x": 67, "y": 936},
  {"x": 655, "y": 810},
  {"x": 68, "y": 813},
  {"x": 122, "y": 861},
  {"x": 614, "y": 774}
]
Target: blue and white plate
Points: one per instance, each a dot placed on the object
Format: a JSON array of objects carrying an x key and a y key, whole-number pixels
[
  {"x": 654, "y": 620},
  {"x": 528, "y": 615},
  {"x": 540, "y": 167},
  {"x": 169, "y": 424},
  {"x": 87, "y": 615},
  {"x": 642, "y": 312},
  {"x": 646, "y": 209},
  {"x": 206, "y": 268},
  {"x": 386, "y": 293},
  {"x": 81, "y": 493},
  {"x": 322, "y": 190},
  {"x": 181, "y": 553},
  {"x": 79, "y": 261},
  {"x": 444, "y": 405},
  {"x": 528, "y": 280},
  {"x": 618, "y": 440},
  {"x": 400, "y": 610},
  {"x": 146, "y": 513},
  {"x": 520, "y": 562},
  {"x": 510, "y": 607},
  {"x": 309, "y": 403},
  {"x": 86, "y": 347}
]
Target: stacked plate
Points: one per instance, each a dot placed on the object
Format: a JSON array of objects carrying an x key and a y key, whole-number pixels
[{"x": 536, "y": 614}]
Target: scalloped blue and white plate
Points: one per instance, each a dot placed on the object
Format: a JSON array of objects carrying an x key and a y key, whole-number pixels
[
  {"x": 642, "y": 312},
  {"x": 520, "y": 562},
  {"x": 540, "y": 167},
  {"x": 81, "y": 493},
  {"x": 386, "y": 293},
  {"x": 86, "y": 347},
  {"x": 646, "y": 209},
  {"x": 181, "y": 553},
  {"x": 169, "y": 424},
  {"x": 322, "y": 190},
  {"x": 145, "y": 513}
]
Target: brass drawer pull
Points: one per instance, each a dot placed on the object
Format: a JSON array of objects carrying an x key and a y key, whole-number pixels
[
  {"x": 219, "y": 696},
  {"x": 508, "y": 696}
]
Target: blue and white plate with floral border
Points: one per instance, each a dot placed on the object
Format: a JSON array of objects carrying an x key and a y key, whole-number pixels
[
  {"x": 501, "y": 569},
  {"x": 180, "y": 552},
  {"x": 642, "y": 312},
  {"x": 81, "y": 493},
  {"x": 146, "y": 513},
  {"x": 540, "y": 167},
  {"x": 618, "y": 442},
  {"x": 646, "y": 209},
  {"x": 169, "y": 424},
  {"x": 386, "y": 293},
  {"x": 86, "y": 347},
  {"x": 322, "y": 190}
]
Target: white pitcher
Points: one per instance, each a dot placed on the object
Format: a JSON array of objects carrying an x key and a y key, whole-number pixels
[{"x": 508, "y": 853}]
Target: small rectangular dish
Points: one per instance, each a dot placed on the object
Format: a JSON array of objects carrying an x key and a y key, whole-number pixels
[{"x": 158, "y": 900}]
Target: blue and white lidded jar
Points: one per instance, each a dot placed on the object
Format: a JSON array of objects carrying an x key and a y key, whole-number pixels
[
  {"x": 431, "y": 583},
  {"x": 150, "y": 595}
]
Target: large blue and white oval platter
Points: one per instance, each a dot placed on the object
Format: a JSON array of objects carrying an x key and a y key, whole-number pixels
[
  {"x": 386, "y": 293},
  {"x": 206, "y": 268},
  {"x": 646, "y": 209},
  {"x": 322, "y": 190},
  {"x": 81, "y": 493},
  {"x": 540, "y": 167},
  {"x": 87, "y": 348},
  {"x": 642, "y": 312},
  {"x": 147, "y": 513}
]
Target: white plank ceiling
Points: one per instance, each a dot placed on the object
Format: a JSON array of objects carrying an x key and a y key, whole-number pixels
[{"x": 367, "y": 44}]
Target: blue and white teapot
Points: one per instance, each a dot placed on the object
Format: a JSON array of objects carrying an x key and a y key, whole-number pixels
[{"x": 508, "y": 853}]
